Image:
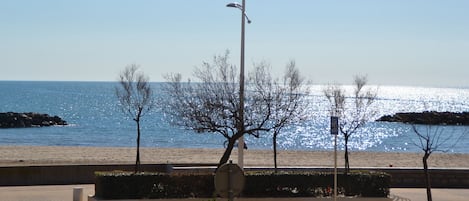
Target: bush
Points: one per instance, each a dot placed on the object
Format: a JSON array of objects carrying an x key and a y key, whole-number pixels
[
  {"x": 126, "y": 185},
  {"x": 315, "y": 184},
  {"x": 365, "y": 184},
  {"x": 285, "y": 184}
]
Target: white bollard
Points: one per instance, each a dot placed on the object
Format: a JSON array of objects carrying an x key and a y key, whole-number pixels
[{"x": 77, "y": 194}]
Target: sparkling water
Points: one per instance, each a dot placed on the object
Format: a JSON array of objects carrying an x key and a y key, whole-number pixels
[{"x": 91, "y": 109}]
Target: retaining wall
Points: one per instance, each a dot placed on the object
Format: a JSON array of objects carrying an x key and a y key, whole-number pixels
[
  {"x": 65, "y": 174},
  {"x": 84, "y": 174},
  {"x": 440, "y": 178}
]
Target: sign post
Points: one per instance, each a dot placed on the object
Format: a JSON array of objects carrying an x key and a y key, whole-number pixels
[
  {"x": 335, "y": 132},
  {"x": 229, "y": 180}
]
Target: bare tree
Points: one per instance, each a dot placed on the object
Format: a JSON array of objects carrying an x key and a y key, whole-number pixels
[
  {"x": 352, "y": 114},
  {"x": 212, "y": 103},
  {"x": 135, "y": 98},
  {"x": 288, "y": 98},
  {"x": 434, "y": 138}
]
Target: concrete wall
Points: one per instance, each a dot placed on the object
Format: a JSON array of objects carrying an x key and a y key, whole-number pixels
[
  {"x": 440, "y": 178},
  {"x": 84, "y": 174},
  {"x": 413, "y": 177},
  {"x": 69, "y": 174}
]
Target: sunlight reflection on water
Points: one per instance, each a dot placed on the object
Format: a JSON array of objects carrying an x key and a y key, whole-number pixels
[{"x": 91, "y": 109}]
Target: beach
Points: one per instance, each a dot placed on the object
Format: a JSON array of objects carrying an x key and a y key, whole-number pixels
[{"x": 69, "y": 155}]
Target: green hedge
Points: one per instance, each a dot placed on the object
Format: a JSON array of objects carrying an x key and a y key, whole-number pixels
[
  {"x": 315, "y": 184},
  {"x": 125, "y": 185}
]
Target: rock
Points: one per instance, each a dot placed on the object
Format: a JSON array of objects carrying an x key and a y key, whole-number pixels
[
  {"x": 30, "y": 119},
  {"x": 429, "y": 117}
]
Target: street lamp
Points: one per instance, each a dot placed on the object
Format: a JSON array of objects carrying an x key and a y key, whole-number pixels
[
  {"x": 244, "y": 17},
  {"x": 239, "y": 6}
]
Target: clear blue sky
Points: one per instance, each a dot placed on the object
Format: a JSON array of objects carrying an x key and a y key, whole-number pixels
[{"x": 394, "y": 42}]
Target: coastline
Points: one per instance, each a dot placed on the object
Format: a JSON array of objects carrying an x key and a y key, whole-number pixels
[{"x": 70, "y": 155}]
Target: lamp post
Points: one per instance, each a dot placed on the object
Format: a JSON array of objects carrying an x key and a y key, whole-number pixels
[
  {"x": 335, "y": 132},
  {"x": 244, "y": 17}
]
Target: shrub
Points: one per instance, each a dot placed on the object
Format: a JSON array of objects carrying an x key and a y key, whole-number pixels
[
  {"x": 126, "y": 185},
  {"x": 315, "y": 184}
]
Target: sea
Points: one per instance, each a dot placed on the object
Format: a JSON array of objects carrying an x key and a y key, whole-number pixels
[{"x": 92, "y": 112}]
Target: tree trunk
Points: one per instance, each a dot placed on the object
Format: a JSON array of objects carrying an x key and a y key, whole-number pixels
[
  {"x": 347, "y": 164},
  {"x": 137, "y": 161},
  {"x": 275, "y": 152},
  {"x": 227, "y": 153},
  {"x": 427, "y": 177}
]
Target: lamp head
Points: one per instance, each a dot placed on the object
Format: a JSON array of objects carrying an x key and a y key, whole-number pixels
[
  {"x": 240, "y": 7},
  {"x": 234, "y": 5}
]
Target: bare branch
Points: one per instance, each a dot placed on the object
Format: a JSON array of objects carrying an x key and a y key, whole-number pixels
[
  {"x": 353, "y": 114},
  {"x": 433, "y": 138},
  {"x": 135, "y": 97},
  {"x": 212, "y": 104}
]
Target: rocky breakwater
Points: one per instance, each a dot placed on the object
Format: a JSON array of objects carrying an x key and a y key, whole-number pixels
[
  {"x": 429, "y": 118},
  {"x": 26, "y": 120}
]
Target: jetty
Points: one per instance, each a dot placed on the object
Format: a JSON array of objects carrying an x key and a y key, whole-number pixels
[
  {"x": 429, "y": 118},
  {"x": 29, "y": 119}
]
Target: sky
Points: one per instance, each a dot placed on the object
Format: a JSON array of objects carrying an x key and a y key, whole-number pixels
[{"x": 393, "y": 42}]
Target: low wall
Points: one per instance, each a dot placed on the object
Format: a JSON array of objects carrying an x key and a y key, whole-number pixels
[
  {"x": 66, "y": 174},
  {"x": 260, "y": 199},
  {"x": 440, "y": 178},
  {"x": 84, "y": 174},
  {"x": 412, "y": 177}
]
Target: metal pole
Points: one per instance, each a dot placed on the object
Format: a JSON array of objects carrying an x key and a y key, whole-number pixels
[
  {"x": 335, "y": 167},
  {"x": 230, "y": 182},
  {"x": 241, "y": 91},
  {"x": 335, "y": 132}
]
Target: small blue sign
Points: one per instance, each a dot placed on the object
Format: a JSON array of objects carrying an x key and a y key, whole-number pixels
[{"x": 334, "y": 125}]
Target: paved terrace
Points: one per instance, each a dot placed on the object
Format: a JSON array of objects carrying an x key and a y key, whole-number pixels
[{"x": 65, "y": 193}]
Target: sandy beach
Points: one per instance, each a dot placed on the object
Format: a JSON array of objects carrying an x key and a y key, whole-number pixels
[{"x": 58, "y": 155}]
